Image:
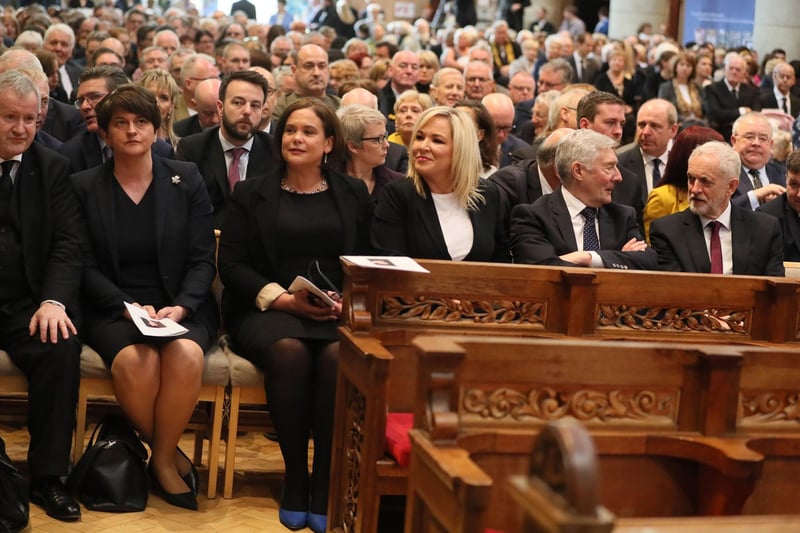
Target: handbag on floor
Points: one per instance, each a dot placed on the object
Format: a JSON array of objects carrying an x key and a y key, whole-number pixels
[
  {"x": 111, "y": 475},
  {"x": 14, "y": 504}
]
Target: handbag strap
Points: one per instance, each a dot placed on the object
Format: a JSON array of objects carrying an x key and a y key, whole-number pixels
[{"x": 76, "y": 477}]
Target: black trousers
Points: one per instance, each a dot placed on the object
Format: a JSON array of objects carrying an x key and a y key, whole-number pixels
[{"x": 53, "y": 372}]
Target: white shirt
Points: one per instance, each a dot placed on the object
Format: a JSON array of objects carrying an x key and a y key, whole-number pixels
[
  {"x": 575, "y": 206},
  {"x": 66, "y": 82},
  {"x": 725, "y": 238},
  {"x": 648, "y": 166},
  {"x": 779, "y": 96},
  {"x": 455, "y": 223},
  {"x": 546, "y": 188},
  {"x": 243, "y": 159},
  {"x": 751, "y": 195}
]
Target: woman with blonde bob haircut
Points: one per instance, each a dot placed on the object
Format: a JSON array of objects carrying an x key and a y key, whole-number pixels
[
  {"x": 162, "y": 85},
  {"x": 461, "y": 213},
  {"x": 407, "y": 109}
]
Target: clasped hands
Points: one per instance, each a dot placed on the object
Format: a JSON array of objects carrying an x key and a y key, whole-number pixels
[{"x": 585, "y": 258}]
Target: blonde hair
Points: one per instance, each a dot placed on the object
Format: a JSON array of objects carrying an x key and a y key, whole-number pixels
[
  {"x": 465, "y": 158},
  {"x": 160, "y": 79}
]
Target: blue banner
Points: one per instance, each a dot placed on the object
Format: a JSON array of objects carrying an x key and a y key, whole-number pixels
[{"x": 723, "y": 23}]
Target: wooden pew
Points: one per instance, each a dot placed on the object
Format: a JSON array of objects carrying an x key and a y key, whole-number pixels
[
  {"x": 391, "y": 308},
  {"x": 559, "y": 494},
  {"x": 482, "y": 402}
]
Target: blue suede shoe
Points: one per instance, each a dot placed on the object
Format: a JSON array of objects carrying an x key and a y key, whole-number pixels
[
  {"x": 317, "y": 522},
  {"x": 293, "y": 519}
]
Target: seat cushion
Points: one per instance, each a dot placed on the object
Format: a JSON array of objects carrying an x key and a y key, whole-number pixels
[
  {"x": 243, "y": 372},
  {"x": 92, "y": 365},
  {"x": 7, "y": 367},
  {"x": 398, "y": 445},
  {"x": 216, "y": 370}
]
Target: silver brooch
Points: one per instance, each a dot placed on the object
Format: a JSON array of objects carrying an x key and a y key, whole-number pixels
[{"x": 176, "y": 180}]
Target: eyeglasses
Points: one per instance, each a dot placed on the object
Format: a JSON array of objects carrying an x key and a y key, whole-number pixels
[
  {"x": 477, "y": 79},
  {"x": 505, "y": 129},
  {"x": 377, "y": 140},
  {"x": 751, "y": 138},
  {"x": 92, "y": 99}
]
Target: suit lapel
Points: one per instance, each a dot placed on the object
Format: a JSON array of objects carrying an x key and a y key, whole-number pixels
[
  {"x": 745, "y": 185},
  {"x": 740, "y": 241},
  {"x": 342, "y": 197},
  {"x": 105, "y": 206},
  {"x": 92, "y": 153},
  {"x": 267, "y": 216},
  {"x": 161, "y": 190},
  {"x": 609, "y": 240},
  {"x": 430, "y": 220},
  {"x": 563, "y": 221},
  {"x": 217, "y": 164},
  {"x": 694, "y": 233}
]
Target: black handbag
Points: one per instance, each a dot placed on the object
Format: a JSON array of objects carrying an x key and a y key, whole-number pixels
[
  {"x": 111, "y": 476},
  {"x": 14, "y": 504}
]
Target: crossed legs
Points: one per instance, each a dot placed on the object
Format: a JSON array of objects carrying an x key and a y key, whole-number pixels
[{"x": 158, "y": 388}]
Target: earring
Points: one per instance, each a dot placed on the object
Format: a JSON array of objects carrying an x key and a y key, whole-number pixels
[{"x": 325, "y": 159}]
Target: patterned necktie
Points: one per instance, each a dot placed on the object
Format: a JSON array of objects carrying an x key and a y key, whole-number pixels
[
  {"x": 233, "y": 169},
  {"x": 6, "y": 186},
  {"x": 656, "y": 171},
  {"x": 716, "y": 248},
  {"x": 108, "y": 153},
  {"x": 756, "y": 179},
  {"x": 590, "y": 241}
]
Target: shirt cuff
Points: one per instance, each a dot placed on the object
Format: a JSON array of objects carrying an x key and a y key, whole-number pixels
[
  {"x": 54, "y": 302},
  {"x": 754, "y": 203},
  {"x": 268, "y": 294},
  {"x": 597, "y": 261}
]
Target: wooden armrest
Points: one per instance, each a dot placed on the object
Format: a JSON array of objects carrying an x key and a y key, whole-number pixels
[{"x": 730, "y": 456}]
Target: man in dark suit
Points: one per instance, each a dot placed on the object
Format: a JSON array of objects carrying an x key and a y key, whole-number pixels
[
  {"x": 234, "y": 151},
  {"x": 541, "y": 23},
  {"x": 40, "y": 273},
  {"x": 404, "y": 71},
  {"x": 786, "y": 208},
  {"x": 63, "y": 121},
  {"x": 584, "y": 67},
  {"x": 726, "y": 100},
  {"x": 205, "y": 100},
  {"x": 760, "y": 179},
  {"x": 88, "y": 149},
  {"x": 562, "y": 228},
  {"x": 779, "y": 95},
  {"x": 504, "y": 49},
  {"x": 501, "y": 108},
  {"x": 60, "y": 39},
  {"x": 656, "y": 126},
  {"x": 605, "y": 113},
  {"x": 247, "y": 7},
  {"x": 714, "y": 236}
]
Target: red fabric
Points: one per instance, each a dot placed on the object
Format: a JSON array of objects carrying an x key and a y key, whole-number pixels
[{"x": 398, "y": 444}]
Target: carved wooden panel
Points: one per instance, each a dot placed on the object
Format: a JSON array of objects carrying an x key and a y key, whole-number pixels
[
  {"x": 770, "y": 409},
  {"x": 463, "y": 311},
  {"x": 355, "y": 415},
  {"x": 724, "y": 321},
  {"x": 649, "y": 407}
]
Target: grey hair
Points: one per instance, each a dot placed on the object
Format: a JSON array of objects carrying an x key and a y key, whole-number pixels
[
  {"x": 560, "y": 65},
  {"x": 354, "y": 118},
  {"x": 750, "y": 115},
  {"x": 581, "y": 146},
  {"x": 63, "y": 28},
  {"x": 729, "y": 162},
  {"x": 21, "y": 84},
  {"x": 188, "y": 67}
]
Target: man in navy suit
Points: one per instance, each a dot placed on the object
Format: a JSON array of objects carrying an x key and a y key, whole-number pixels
[
  {"x": 578, "y": 224},
  {"x": 88, "y": 149},
  {"x": 713, "y": 235},
  {"x": 60, "y": 39},
  {"x": 242, "y": 96},
  {"x": 779, "y": 95},
  {"x": 501, "y": 108},
  {"x": 40, "y": 275},
  {"x": 760, "y": 179},
  {"x": 726, "y": 100},
  {"x": 786, "y": 208}
]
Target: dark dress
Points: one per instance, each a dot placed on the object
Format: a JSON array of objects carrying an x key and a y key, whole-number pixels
[{"x": 139, "y": 278}]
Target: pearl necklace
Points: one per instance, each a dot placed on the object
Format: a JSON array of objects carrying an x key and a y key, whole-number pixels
[{"x": 323, "y": 186}]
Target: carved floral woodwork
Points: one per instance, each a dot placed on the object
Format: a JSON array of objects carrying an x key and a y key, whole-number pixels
[
  {"x": 356, "y": 409},
  {"x": 420, "y": 308},
  {"x": 651, "y": 407},
  {"x": 773, "y": 408},
  {"x": 728, "y": 321}
]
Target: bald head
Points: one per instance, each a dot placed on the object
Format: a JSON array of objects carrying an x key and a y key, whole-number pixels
[
  {"x": 16, "y": 58},
  {"x": 206, "y": 95},
  {"x": 360, "y": 96},
  {"x": 501, "y": 107},
  {"x": 546, "y": 156}
]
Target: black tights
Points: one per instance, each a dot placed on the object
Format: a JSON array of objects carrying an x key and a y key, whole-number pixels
[{"x": 300, "y": 380}]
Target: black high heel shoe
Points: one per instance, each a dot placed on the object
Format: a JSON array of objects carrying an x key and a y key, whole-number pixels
[
  {"x": 192, "y": 478},
  {"x": 186, "y": 500}
]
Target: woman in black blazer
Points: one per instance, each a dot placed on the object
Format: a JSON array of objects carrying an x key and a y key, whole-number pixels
[
  {"x": 150, "y": 242},
  {"x": 445, "y": 211},
  {"x": 297, "y": 220}
]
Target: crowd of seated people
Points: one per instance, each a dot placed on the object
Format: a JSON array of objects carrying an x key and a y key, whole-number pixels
[{"x": 474, "y": 143}]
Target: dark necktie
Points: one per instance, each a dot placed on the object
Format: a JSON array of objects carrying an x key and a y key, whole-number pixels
[
  {"x": 590, "y": 241},
  {"x": 6, "y": 186},
  {"x": 756, "y": 179},
  {"x": 108, "y": 153},
  {"x": 233, "y": 169},
  {"x": 716, "y": 248},
  {"x": 736, "y": 94},
  {"x": 783, "y": 105},
  {"x": 656, "y": 171}
]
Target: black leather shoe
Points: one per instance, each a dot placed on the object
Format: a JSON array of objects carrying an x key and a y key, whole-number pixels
[
  {"x": 192, "y": 478},
  {"x": 51, "y": 495}
]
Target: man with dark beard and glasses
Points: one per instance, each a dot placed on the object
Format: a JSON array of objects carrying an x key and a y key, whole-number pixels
[{"x": 235, "y": 150}]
